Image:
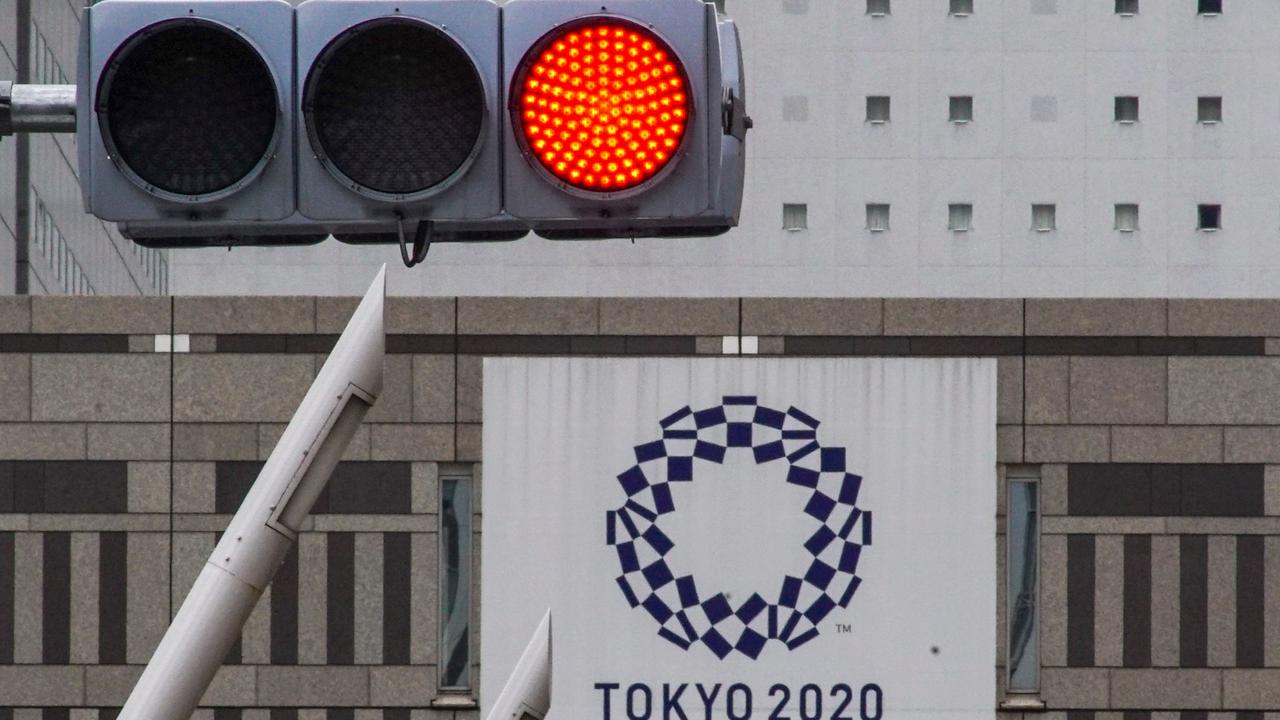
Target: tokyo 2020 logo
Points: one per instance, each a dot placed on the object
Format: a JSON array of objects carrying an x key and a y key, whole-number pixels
[{"x": 782, "y": 442}]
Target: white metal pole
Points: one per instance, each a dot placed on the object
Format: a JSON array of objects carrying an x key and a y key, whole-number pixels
[
  {"x": 528, "y": 690},
  {"x": 267, "y": 523}
]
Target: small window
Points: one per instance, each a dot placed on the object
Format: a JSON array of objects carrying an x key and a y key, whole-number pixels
[
  {"x": 961, "y": 8},
  {"x": 1044, "y": 108},
  {"x": 877, "y": 217},
  {"x": 1127, "y": 109},
  {"x": 1127, "y": 217},
  {"x": 876, "y": 8},
  {"x": 455, "y": 582},
  {"x": 961, "y": 109},
  {"x": 1023, "y": 581},
  {"x": 1126, "y": 7},
  {"x": 1209, "y": 218},
  {"x": 1210, "y": 7},
  {"x": 1209, "y": 110},
  {"x": 960, "y": 217},
  {"x": 1044, "y": 217},
  {"x": 877, "y": 109},
  {"x": 795, "y": 217}
]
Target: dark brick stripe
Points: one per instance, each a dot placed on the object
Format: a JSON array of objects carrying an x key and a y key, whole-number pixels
[
  {"x": 1015, "y": 345},
  {"x": 1137, "y": 601},
  {"x": 1080, "y": 715},
  {"x": 396, "y": 714},
  {"x": 1137, "y": 715},
  {"x": 113, "y": 598},
  {"x": 7, "y": 569},
  {"x": 55, "y": 713},
  {"x": 235, "y": 654},
  {"x": 340, "y": 609},
  {"x": 1194, "y": 715},
  {"x": 6, "y": 486},
  {"x": 661, "y": 345},
  {"x": 397, "y": 567},
  {"x": 1226, "y": 490},
  {"x": 1194, "y": 596},
  {"x": 1080, "y": 598},
  {"x": 421, "y": 344},
  {"x": 1250, "y": 715},
  {"x": 356, "y": 488},
  {"x": 284, "y": 611},
  {"x": 284, "y": 714},
  {"x": 340, "y": 714},
  {"x": 75, "y": 486},
  {"x": 42, "y": 343},
  {"x": 56, "y": 600},
  {"x": 223, "y": 713},
  {"x": 1250, "y": 613}
]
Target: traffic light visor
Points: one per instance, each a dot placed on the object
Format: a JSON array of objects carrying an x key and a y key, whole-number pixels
[
  {"x": 394, "y": 108},
  {"x": 602, "y": 105},
  {"x": 188, "y": 109}
]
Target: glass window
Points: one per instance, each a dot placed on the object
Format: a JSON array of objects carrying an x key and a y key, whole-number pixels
[
  {"x": 962, "y": 8},
  {"x": 960, "y": 217},
  {"x": 878, "y": 108},
  {"x": 1127, "y": 109},
  {"x": 1210, "y": 7},
  {"x": 455, "y": 582},
  {"x": 1209, "y": 110},
  {"x": 1127, "y": 217},
  {"x": 1209, "y": 217},
  {"x": 877, "y": 7},
  {"x": 877, "y": 217},
  {"x": 1126, "y": 7},
  {"x": 1044, "y": 217},
  {"x": 1023, "y": 589},
  {"x": 961, "y": 109},
  {"x": 795, "y": 216}
]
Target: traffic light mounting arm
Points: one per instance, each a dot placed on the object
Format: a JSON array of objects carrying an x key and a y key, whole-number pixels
[{"x": 37, "y": 108}]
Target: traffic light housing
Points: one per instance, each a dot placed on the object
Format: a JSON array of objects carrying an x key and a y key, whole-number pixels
[
  {"x": 185, "y": 110},
  {"x": 615, "y": 118},
  {"x": 398, "y": 109},
  {"x": 223, "y": 122}
]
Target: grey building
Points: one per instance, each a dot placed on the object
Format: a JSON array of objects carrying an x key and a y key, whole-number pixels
[
  {"x": 1145, "y": 428},
  {"x": 48, "y": 245}
]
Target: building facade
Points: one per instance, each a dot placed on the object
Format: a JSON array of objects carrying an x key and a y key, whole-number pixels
[
  {"x": 48, "y": 245},
  {"x": 936, "y": 148},
  {"x": 1147, "y": 428}
]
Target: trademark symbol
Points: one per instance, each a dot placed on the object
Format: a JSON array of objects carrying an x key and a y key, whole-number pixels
[{"x": 842, "y": 628}]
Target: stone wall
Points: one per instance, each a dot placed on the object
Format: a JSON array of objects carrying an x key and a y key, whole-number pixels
[{"x": 1154, "y": 424}]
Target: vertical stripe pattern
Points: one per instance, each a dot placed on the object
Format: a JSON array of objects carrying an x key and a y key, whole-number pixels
[
  {"x": 1250, "y": 618},
  {"x": 1080, "y": 599},
  {"x": 284, "y": 611},
  {"x": 313, "y": 588},
  {"x": 396, "y": 598},
  {"x": 1166, "y": 600},
  {"x": 340, "y": 609},
  {"x": 85, "y": 584},
  {"x": 29, "y": 598},
  {"x": 1108, "y": 608},
  {"x": 1222, "y": 601},
  {"x": 1137, "y": 601},
  {"x": 368, "y": 598},
  {"x": 113, "y": 598},
  {"x": 1194, "y": 601},
  {"x": 7, "y": 601}
]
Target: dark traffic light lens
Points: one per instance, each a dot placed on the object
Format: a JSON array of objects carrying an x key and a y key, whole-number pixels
[
  {"x": 189, "y": 108},
  {"x": 395, "y": 106}
]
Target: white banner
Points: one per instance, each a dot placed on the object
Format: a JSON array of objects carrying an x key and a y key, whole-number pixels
[{"x": 743, "y": 538}]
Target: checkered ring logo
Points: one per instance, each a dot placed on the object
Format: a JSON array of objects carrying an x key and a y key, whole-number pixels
[{"x": 688, "y": 614}]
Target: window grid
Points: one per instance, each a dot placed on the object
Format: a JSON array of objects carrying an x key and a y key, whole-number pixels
[
  {"x": 1044, "y": 217},
  {"x": 1208, "y": 217},
  {"x": 1126, "y": 217},
  {"x": 878, "y": 217},
  {"x": 1022, "y": 563},
  {"x": 876, "y": 8},
  {"x": 1209, "y": 110},
  {"x": 878, "y": 109},
  {"x": 795, "y": 217},
  {"x": 455, "y": 582},
  {"x": 1126, "y": 109}
]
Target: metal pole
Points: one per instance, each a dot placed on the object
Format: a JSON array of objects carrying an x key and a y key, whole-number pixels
[
  {"x": 267, "y": 523},
  {"x": 37, "y": 108}
]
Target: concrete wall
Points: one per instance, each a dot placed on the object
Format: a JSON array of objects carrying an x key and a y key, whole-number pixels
[{"x": 1153, "y": 424}]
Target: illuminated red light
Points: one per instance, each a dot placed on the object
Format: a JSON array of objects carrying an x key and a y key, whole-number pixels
[{"x": 603, "y": 106}]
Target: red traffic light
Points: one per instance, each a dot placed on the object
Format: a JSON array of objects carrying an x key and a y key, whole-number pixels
[{"x": 602, "y": 105}]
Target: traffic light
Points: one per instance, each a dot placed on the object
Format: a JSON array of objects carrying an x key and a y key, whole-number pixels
[
  {"x": 185, "y": 110},
  {"x": 398, "y": 106},
  {"x": 616, "y": 123},
  {"x": 222, "y": 122}
]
